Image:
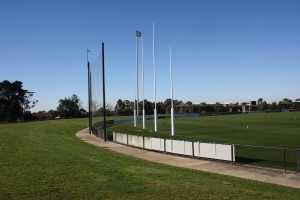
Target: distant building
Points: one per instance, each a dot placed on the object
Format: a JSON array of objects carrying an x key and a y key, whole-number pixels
[
  {"x": 289, "y": 105},
  {"x": 42, "y": 115},
  {"x": 250, "y": 107}
]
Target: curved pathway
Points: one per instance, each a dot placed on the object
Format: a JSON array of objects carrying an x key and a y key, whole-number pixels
[{"x": 259, "y": 174}]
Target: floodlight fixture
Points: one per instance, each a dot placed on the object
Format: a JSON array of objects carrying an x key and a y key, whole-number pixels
[{"x": 138, "y": 33}]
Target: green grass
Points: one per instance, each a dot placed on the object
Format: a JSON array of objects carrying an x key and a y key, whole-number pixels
[
  {"x": 44, "y": 160},
  {"x": 281, "y": 130},
  {"x": 270, "y": 129}
]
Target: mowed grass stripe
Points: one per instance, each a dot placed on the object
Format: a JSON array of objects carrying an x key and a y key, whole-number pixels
[{"x": 44, "y": 160}]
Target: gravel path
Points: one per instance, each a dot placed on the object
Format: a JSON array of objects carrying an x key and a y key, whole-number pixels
[{"x": 277, "y": 177}]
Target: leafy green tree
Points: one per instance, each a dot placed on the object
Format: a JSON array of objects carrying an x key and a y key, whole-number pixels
[
  {"x": 15, "y": 102},
  {"x": 189, "y": 108},
  {"x": 259, "y": 101},
  {"x": 273, "y": 106},
  {"x": 69, "y": 107},
  {"x": 124, "y": 108},
  {"x": 287, "y": 100},
  {"x": 159, "y": 107},
  {"x": 149, "y": 109},
  {"x": 263, "y": 106},
  {"x": 119, "y": 107}
]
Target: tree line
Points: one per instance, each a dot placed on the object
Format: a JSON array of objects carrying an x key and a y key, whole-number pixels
[
  {"x": 125, "y": 107},
  {"x": 16, "y": 102}
]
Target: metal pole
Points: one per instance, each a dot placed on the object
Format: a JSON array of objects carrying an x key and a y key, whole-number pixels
[
  {"x": 144, "y": 118},
  {"x": 137, "y": 34},
  {"x": 91, "y": 97},
  {"x": 135, "y": 92},
  {"x": 89, "y": 88},
  {"x": 172, "y": 103},
  {"x": 154, "y": 67},
  {"x": 103, "y": 84},
  {"x": 137, "y": 79}
]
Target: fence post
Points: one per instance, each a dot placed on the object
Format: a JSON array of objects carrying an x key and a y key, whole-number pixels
[
  {"x": 232, "y": 153},
  {"x": 143, "y": 142},
  {"x": 298, "y": 159},
  {"x": 284, "y": 158},
  {"x": 193, "y": 149}
]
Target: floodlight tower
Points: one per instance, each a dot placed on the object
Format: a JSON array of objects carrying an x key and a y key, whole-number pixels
[{"x": 136, "y": 104}]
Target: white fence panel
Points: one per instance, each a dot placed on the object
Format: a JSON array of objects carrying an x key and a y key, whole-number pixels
[
  {"x": 132, "y": 140},
  {"x": 157, "y": 144},
  {"x": 204, "y": 150},
  {"x": 207, "y": 150},
  {"x": 169, "y": 146},
  {"x": 188, "y": 148},
  {"x": 120, "y": 138},
  {"x": 124, "y": 138},
  {"x": 178, "y": 147},
  {"x": 135, "y": 141},
  {"x": 147, "y": 143},
  {"x": 223, "y": 152},
  {"x": 141, "y": 141}
]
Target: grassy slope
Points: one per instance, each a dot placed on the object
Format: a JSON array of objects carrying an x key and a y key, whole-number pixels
[
  {"x": 271, "y": 129},
  {"x": 44, "y": 160}
]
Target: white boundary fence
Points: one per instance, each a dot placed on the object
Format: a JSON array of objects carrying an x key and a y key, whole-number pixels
[{"x": 195, "y": 149}]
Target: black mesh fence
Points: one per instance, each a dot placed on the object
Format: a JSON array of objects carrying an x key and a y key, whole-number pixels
[
  {"x": 96, "y": 98},
  {"x": 272, "y": 157}
]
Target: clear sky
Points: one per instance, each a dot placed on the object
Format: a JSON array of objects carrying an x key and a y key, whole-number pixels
[{"x": 223, "y": 51}]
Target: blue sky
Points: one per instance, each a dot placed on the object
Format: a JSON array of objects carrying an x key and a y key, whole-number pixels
[{"x": 223, "y": 51}]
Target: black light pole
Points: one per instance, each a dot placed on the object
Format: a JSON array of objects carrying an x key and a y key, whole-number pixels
[
  {"x": 103, "y": 84},
  {"x": 89, "y": 88}
]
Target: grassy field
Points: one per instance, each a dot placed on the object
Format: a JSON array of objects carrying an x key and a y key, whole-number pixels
[
  {"x": 44, "y": 160},
  {"x": 268, "y": 129},
  {"x": 280, "y": 130}
]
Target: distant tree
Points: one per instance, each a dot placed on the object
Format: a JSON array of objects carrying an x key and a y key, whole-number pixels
[
  {"x": 149, "y": 109},
  {"x": 287, "y": 100},
  {"x": 108, "y": 111},
  {"x": 124, "y": 108},
  {"x": 189, "y": 103},
  {"x": 15, "y": 102},
  {"x": 29, "y": 102},
  {"x": 167, "y": 106},
  {"x": 160, "y": 108},
  {"x": 259, "y": 101},
  {"x": 69, "y": 107},
  {"x": 119, "y": 108},
  {"x": 273, "y": 106},
  {"x": 263, "y": 106},
  {"x": 219, "y": 107},
  {"x": 189, "y": 107}
]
